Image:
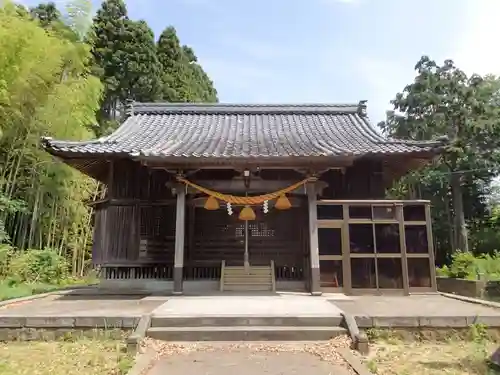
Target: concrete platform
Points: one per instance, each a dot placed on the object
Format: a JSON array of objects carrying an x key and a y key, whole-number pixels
[
  {"x": 278, "y": 305},
  {"x": 79, "y": 310},
  {"x": 272, "y": 317},
  {"x": 425, "y": 310}
]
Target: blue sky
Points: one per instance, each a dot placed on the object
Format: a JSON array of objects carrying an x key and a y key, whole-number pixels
[{"x": 297, "y": 51}]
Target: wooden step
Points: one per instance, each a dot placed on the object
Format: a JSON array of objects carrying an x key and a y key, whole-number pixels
[
  {"x": 246, "y": 274},
  {"x": 239, "y": 278},
  {"x": 248, "y": 288}
]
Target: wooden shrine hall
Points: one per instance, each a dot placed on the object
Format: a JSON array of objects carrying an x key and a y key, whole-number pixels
[{"x": 207, "y": 197}]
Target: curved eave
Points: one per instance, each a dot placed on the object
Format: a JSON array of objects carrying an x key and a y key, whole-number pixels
[{"x": 83, "y": 161}]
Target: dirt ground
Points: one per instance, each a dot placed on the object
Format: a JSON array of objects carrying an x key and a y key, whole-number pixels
[
  {"x": 270, "y": 358},
  {"x": 431, "y": 358},
  {"x": 100, "y": 356}
]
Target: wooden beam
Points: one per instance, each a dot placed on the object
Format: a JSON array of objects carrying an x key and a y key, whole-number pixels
[{"x": 308, "y": 163}]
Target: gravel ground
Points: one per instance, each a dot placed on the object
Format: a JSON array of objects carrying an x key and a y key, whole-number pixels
[{"x": 179, "y": 356}]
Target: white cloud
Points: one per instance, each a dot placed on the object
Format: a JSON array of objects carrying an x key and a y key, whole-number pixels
[
  {"x": 351, "y": 2},
  {"x": 254, "y": 49},
  {"x": 476, "y": 46},
  {"x": 474, "y": 50},
  {"x": 383, "y": 78},
  {"x": 237, "y": 74}
]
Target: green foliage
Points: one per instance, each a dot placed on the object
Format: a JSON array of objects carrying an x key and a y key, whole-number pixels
[
  {"x": 183, "y": 79},
  {"x": 46, "y": 13},
  {"x": 6, "y": 254},
  {"x": 45, "y": 89},
  {"x": 444, "y": 102},
  {"x": 465, "y": 265},
  {"x": 126, "y": 59},
  {"x": 42, "y": 266}
]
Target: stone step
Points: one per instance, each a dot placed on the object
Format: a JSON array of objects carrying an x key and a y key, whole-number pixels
[
  {"x": 240, "y": 333},
  {"x": 245, "y": 321},
  {"x": 247, "y": 287},
  {"x": 243, "y": 279},
  {"x": 248, "y": 274}
]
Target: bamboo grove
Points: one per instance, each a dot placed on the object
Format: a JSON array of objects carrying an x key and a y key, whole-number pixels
[{"x": 54, "y": 81}]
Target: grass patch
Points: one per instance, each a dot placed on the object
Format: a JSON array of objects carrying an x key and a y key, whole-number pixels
[
  {"x": 85, "y": 356},
  {"x": 424, "y": 353},
  {"x": 10, "y": 290}
]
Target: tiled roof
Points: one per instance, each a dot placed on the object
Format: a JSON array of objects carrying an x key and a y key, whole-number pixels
[{"x": 225, "y": 131}]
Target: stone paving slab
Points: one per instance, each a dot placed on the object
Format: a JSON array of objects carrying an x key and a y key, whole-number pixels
[
  {"x": 245, "y": 362},
  {"x": 430, "y": 310},
  {"x": 276, "y": 305},
  {"x": 82, "y": 311}
]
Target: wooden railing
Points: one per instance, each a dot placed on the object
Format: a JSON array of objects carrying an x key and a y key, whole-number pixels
[
  {"x": 159, "y": 271},
  {"x": 289, "y": 273},
  {"x": 140, "y": 272},
  {"x": 202, "y": 272}
]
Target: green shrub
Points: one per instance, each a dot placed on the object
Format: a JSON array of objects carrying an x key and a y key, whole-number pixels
[
  {"x": 6, "y": 254},
  {"x": 39, "y": 266},
  {"x": 464, "y": 265}
]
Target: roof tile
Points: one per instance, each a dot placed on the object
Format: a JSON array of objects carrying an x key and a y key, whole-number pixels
[{"x": 241, "y": 131}]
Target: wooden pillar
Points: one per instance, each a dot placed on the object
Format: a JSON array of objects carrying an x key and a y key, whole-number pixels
[
  {"x": 430, "y": 244},
  {"x": 402, "y": 246},
  {"x": 180, "y": 215},
  {"x": 313, "y": 240},
  {"x": 346, "y": 251}
]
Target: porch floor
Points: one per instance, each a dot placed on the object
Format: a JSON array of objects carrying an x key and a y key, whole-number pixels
[
  {"x": 419, "y": 310},
  {"x": 261, "y": 305},
  {"x": 91, "y": 308}
]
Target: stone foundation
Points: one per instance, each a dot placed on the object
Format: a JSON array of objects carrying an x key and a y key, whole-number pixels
[
  {"x": 51, "y": 334},
  {"x": 470, "y": 288}
]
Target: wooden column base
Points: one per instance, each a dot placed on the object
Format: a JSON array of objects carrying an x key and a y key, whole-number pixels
[
  {"x": 315, "y": 282},
  {"x": 178, "y": 289}
]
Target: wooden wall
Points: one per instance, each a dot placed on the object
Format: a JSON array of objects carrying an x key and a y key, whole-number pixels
[
  {"x": 362, "y": 180},
  {"x": 277, "y": 235},
  {"x": 138, "y": 222}
]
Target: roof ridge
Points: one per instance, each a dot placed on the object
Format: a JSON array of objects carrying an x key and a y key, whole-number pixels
[{"x": 135, "y": 108}]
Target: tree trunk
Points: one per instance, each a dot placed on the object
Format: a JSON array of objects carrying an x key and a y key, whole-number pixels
[
  {"x": 450, "y": 223},
  {"x": 462, "y": 242}
]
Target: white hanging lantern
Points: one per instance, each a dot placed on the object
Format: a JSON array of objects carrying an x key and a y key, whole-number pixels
[{"x": 229, "y": 209}]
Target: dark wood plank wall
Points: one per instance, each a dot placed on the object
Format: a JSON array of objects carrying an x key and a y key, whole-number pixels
[
  {"x": 277, "y": 235},
  {"x": 138, "y": 225},
  {"x": 100, "y": 235},
  {"x": 363, "y": 180}
]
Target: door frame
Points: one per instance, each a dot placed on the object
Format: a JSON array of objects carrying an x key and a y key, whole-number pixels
[{"x": 335, "y": 224}]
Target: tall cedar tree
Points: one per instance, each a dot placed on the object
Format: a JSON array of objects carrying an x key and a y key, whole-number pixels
[
  {"x": 125, "y": 54},
  {"x": 183, "y": 79},
  {"x": 444, "y": 101},
  {"x": 46, "y": 13},
  {"x": 109, "y": 38},
  {"x": 174, "y": 64}
]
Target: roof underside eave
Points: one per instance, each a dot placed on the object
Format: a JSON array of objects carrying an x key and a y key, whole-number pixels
[
  {"x": 90, "y": 165},
  {"x": 82, "y": 161}
]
